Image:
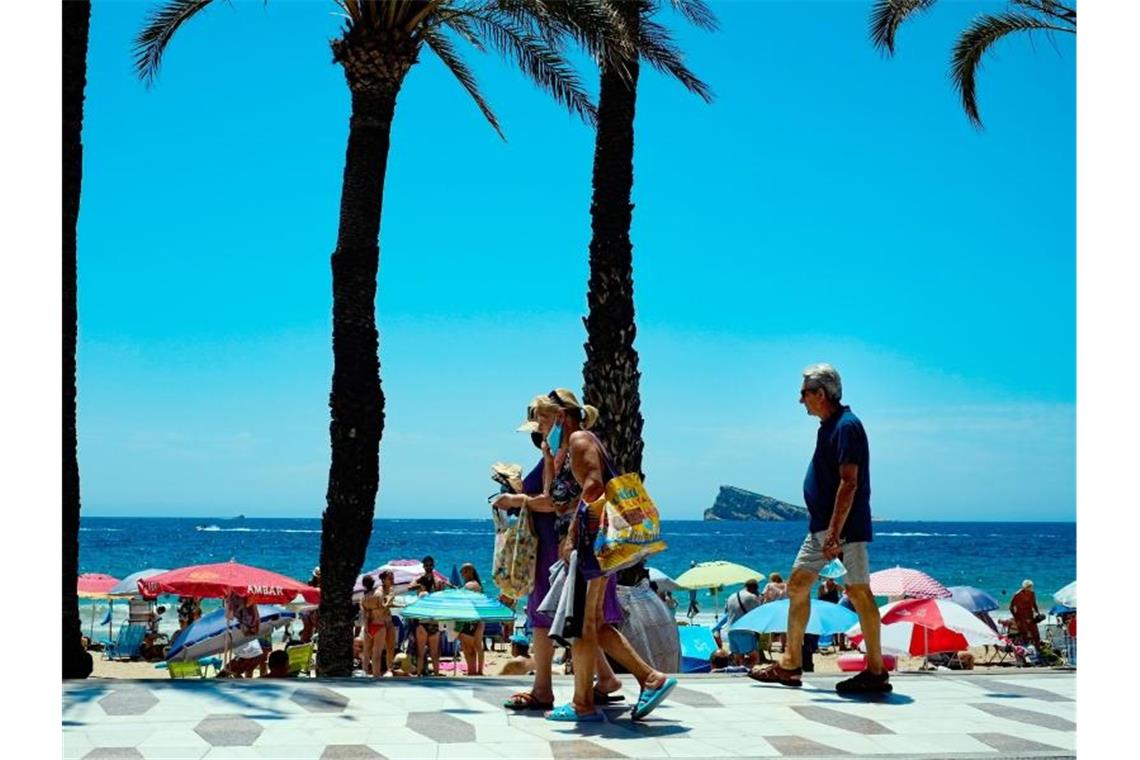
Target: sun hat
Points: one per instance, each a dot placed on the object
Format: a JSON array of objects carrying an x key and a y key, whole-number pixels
[
  {"x": 531, "y": 424},
  {"x": 508, "y": 474},
  {"x": 1027, "y": 583}
]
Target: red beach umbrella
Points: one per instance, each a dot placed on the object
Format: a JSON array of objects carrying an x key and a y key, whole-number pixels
[
  {"x": 221, "y": 579},
  {"x": 922, "y": 626},
  {"x": 904, "y": 581},
  {"x": 95, "y": 585}
]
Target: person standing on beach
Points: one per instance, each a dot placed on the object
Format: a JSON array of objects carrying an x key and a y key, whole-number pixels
[
  {"x": 1023, "y": 605},
  {"x": 837, "y": 490}
]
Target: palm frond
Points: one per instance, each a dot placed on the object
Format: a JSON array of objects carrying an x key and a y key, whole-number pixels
[
  {"x": 697, "y": 13},
  {"x": 540, "y": 61},
  {"x": 887, "y": 15},
  {"x": 1050, "y": 8},
  {"x": 658, "y": 49},
  {"x": 596, "y": 26},
  {"x": 460, "y": 25},
  {"x": 982, "y": 33},
  {"x": 442, "y": 47},
  {"x": 157, "y": 31}
]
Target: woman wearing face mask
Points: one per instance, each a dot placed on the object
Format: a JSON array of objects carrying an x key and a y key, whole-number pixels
[
  {"x": 551, "y": 517},
  {"x": 577, "y": 466}
]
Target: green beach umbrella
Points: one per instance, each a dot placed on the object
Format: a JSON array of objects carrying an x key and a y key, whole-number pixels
[
  {"x": 715, "y": 575},
  {"x": 458, "y": 605}
]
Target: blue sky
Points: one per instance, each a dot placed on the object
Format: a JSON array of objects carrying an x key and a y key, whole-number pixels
[{"x": 830, "y": 205}]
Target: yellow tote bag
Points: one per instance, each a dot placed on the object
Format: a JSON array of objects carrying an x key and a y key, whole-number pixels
[{"x": 629, "y": 528}]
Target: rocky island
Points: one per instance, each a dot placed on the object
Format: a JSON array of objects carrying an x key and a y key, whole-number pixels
[{"x": 737, "y": 504}]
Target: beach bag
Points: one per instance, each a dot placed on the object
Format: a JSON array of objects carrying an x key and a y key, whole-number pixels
[
  {"x": 629, "y": 529},
  {"x": 516, "y": 548},
  {"x": 649, "y": 627}
]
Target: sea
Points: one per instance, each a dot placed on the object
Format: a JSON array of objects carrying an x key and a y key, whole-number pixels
[{"x": 994, "y": 556}]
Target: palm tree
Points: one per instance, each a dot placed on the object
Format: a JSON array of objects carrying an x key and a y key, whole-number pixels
[
  {"x": 1023, "y": 16},
  {"x": 76, "y": 24},
  {"x": 380, "y": 41},
  {"x": 610, "y": 374}
]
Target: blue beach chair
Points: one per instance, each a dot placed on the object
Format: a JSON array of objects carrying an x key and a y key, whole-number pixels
[
  {"x": 697, "y": 646},
  {"x": 129, "y": 644}
]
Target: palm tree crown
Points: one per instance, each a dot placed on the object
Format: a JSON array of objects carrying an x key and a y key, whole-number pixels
[{"x": 1022, "y": 16}]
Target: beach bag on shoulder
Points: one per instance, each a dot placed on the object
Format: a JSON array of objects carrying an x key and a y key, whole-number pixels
[
  {"x": 629, "y": 528},
  {"x": 516, "y": 548}
]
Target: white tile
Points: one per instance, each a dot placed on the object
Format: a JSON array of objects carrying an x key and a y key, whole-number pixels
[
  {"x": 520, "y": 750},
  {"x": 290, "y": 752},
  {"x": 232, "y": 753},
  {"x": 185, "y": 752},
  {"x": 408, "y": 751}
]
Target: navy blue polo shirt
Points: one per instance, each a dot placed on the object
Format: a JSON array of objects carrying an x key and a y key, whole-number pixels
[{"x": 840, "y": 440}]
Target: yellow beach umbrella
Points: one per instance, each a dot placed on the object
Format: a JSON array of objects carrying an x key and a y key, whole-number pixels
[{"x": 716, "y": 574}]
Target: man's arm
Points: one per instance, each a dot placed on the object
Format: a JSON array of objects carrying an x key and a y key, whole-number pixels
[{"x": 844, "y": 500}]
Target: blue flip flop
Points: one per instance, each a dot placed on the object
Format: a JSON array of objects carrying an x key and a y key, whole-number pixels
[
  {"x": 651, "y": 698},
  {"x": 566, "y": 714}
]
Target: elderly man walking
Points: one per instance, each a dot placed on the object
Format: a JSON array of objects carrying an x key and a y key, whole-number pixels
[{"x": 837, "y": 491}]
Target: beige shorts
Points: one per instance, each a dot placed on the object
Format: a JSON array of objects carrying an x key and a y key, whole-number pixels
[{"x": 854, "y": 558}]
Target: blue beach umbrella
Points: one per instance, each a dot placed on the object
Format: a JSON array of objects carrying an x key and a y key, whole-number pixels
[
  {"x": 973, "y": 599},
  {"x": 826, "y": 618},
  {"x": 459, "y": 605},
  {"x": 455, "y": 580},
  {"x": 697, "y": 646},
  {"x": 207, "y": 635}
]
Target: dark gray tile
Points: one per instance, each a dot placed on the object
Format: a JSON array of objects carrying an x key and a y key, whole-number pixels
[
  {"x": 693, "y": 698},
  {"x": 580, "y": 748},
  {"x": 350, "y": 752},
  {"x": 1032, "y": 717},
  {"x": 798, "y": 746},
  {"x": 113, "y": 753},
  {"x": 1001, "y": 687},
  {"x": 228, "y": 730},
  {"x": 441, "y": 727},
  {"x": 1007, "y": 743},
  {"x": 132, "y": 700},
  {"x": 318, "y": 699},
  {"x": 840, "y": 719}
]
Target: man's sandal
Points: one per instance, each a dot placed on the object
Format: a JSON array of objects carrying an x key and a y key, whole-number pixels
[
  {"x": 525, "y": 700},
  {"x": 773, "y": 673}
]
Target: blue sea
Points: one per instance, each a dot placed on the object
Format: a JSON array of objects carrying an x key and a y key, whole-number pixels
[{"x": 990, "y": 555}]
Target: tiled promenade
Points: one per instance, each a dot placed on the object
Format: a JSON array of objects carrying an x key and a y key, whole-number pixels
[{"x": 1011, "y": 714}]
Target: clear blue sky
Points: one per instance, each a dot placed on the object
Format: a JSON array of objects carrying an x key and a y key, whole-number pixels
[{"x": 831, "y": 205}]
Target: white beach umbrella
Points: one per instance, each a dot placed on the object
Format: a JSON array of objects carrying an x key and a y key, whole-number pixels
[{"x": 1067, "y": 595}]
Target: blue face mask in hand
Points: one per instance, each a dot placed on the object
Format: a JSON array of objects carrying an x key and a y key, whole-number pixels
[{"x": 554, "y": 440}]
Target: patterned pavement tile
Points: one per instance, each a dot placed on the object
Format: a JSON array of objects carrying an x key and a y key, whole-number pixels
[
  {"x": 993, "y": 688},
  {"x": 350, "y": 752},
  {"x": 228, "y": 730},
  {"x": 1007, "y": 743},
  {"x": 693, "y": 698},
  {"x": 113, "y": 753},
  {"x": 840, "y": 719},
  {"x": 131, "y": 700},
  {"x": 441, "y": 727},
  {"x": 320, "y": 700},
  {"x": 798, "y": 746},
  {"x": 573, "y": 749},
  {"x": 1032, "y": 717}
]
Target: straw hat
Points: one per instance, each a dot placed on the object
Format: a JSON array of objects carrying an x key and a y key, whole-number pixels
[
  {"x": 531, "y": 424},
  {"x": 508, "y": 474}
]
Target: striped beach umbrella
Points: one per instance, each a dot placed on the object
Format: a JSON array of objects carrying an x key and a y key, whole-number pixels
[
  {"x": 919, "y": 627},
  {"x": 95, "y": 585},
  {"x": 907, "y": 582},
  {"x": 458, "y": 605}
]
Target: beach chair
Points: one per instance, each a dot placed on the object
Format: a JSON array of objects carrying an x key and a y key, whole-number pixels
[
  {"x": 185, "y": 669},
  {"x": 129, "y": 643},
  {"x": 300, "y": 659},
  {"x": 826, "y": 643},
  {"x": 493, "y": 633}
]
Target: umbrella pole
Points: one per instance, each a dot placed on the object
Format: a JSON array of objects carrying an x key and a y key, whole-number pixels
[{"x": 92, "y": 637}]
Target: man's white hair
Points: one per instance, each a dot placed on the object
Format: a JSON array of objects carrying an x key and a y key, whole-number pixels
[{"x": 827, "y": 377}]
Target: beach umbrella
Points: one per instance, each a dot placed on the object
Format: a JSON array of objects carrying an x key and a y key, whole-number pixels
[
  {"x": 454, "y": 579},
  {"x": 221, "y": 579},
  {"x": 129, "y": 586},
  {"x": 405, "y": 572},
  {"x": 907, "y": 582},
  {"x": 663, "y": 581},
  {"x": 973, "y": 599},
  {"x": 697, "y": 646},
  {"x": 208, "y": 634},
  {"x": 1067, "y": 595},
  {"x": 716, "y": 574},
  {"x": 459, "y": 605},
  {"x": 95, "y": 585},
  {"x": 923, "y": 626},
  {"x": 772, "y": 617},
  {"x": 1060, "y": 609}
]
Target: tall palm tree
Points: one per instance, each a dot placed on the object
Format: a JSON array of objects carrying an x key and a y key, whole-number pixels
[
  {"x": 611, "y": 378},
  {"x": 1022, "y": 16},
  {"x": 380, "y": 41},
  {"x": 76, "y": 24}
]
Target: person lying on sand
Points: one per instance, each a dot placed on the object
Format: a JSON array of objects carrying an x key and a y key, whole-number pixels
[{"x": 521, "y": 663}]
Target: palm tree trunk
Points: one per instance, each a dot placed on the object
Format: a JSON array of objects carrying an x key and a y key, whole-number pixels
[
  {"x": 76, "y": 24},
  {"x": 611, "y": 377},
  {"x": 357, "y": 399}
]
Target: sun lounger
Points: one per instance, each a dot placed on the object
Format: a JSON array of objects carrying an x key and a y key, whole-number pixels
[
  {"x": 300, "y": 659},
  {"x": 185, "y": 669}
]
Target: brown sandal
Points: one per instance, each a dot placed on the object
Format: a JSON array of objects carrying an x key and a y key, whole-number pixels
[{"x": 773, "y": 673}]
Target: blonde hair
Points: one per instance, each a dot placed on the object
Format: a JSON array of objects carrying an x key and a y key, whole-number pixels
[{"x": 586, "y": 415}]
